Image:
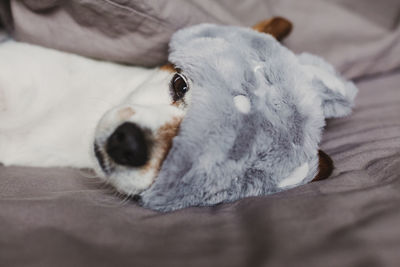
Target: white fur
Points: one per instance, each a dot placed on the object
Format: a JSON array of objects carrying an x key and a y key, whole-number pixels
[
  {"x": 51, "y": 103},
  {"x": 242, "y": 103}
]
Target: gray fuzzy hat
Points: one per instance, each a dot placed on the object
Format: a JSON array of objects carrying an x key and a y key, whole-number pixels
[{"x": 255, "y": 119}]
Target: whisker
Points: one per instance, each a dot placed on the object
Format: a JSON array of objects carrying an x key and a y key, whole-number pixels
[{"x": 87, "y": 173}]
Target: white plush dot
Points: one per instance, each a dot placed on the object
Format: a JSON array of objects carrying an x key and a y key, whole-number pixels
[
  {"x": 257, "y": 67},
  {"x": 242, "y": 103},
  {"x": 296, "y": 176}
]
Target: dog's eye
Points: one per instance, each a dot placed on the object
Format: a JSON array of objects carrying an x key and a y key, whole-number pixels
[{"x": 179, "y": 87}]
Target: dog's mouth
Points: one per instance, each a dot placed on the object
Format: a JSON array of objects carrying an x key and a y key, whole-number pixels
[{"x": 102, "y": 159}]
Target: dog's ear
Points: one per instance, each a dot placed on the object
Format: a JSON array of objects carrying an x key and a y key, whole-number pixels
[
  {"x": 277, "y": 26},
  {"x": 325, "y": 166}
]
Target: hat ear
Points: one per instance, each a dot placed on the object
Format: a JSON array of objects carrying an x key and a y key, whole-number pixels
[
  {"x": 277, "y": 26},
  {"x": 325, "y": 166},
  {"x": 337, "y": 94}
]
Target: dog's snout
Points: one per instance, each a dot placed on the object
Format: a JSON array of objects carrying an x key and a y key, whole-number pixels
[{"x": 128, "y": 146}]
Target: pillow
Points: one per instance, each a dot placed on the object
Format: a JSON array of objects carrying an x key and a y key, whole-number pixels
[
  {"x": 359, "y": 38},
  {"x": 134, "y": 32}
]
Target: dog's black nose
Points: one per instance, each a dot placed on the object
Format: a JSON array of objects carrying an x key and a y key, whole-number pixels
[{"x": 128, "y": 146}]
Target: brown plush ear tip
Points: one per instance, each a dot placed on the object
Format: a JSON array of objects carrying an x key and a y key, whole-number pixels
[
  {"x": 325, "y": 166},
  {"x": 277, "y": 26}
]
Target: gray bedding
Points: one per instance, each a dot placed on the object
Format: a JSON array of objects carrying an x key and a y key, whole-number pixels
[
  {"x": 359, "y": 37},
  {"x": 65, "y": 217}
]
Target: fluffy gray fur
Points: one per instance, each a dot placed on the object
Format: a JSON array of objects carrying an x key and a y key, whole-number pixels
[{"x": 222, "y": 154}]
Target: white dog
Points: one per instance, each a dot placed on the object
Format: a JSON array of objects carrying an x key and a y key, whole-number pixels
[
  {"x": 51, "y": 103},
  {"x": 60, "y": 109}
]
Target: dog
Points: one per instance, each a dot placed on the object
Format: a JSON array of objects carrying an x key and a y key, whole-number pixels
[{"x": 63, "y": 110}]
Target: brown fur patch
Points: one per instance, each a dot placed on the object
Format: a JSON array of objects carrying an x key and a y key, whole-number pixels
[
  {"x": 126, "y": 113},
  {"x": 325, "y": 166},
  {"x": 164, "y": 137},
  {"x": 162, "y": 144},
  {"x": 169, "y": 67},
  {"x": 277, "y": 26}
]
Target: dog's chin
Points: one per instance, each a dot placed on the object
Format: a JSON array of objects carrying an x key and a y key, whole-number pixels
[
  {"x": 126, "y": 180},
  {"x": 130, "y": 182}
]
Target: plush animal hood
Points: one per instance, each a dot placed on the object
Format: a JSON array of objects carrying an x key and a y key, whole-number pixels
[{"x": 255, "y": 118}]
